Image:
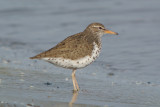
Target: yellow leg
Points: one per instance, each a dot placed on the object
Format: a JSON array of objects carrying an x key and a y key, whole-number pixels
[
  {"x": 73, "y": 80},
  {"x": 75, "y": 84}
]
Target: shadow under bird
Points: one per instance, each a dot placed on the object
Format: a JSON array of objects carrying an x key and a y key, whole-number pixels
[{"x": 77, "y": 51}]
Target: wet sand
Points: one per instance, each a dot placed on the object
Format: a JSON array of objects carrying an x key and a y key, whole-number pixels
[
  {"x": 125, "y": 74},
  {"x": 21, "y": 88}
]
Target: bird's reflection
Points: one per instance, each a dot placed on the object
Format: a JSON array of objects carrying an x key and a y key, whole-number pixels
[{"x": 74, "y": 98}]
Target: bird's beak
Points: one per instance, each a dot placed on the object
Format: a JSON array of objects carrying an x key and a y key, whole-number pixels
[{"x": 110, "y": 32}]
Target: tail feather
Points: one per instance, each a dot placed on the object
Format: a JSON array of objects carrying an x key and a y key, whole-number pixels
[
  {"x": 32, "y": 58},
  {"x": 35, "y": 57}
]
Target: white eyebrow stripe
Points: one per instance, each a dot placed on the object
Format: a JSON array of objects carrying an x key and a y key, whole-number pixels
[
  {"x": 96, "y": 26},
  {"x": 100, "y": 26}
]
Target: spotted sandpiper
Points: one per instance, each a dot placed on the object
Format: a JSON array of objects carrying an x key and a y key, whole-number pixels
[{"x": 77, "y": 51}]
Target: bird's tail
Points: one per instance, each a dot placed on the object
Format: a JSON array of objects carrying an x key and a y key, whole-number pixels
[{"x": 32, "y": 57}]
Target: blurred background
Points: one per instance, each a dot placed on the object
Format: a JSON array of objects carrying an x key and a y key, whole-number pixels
[{"x": 126, "y": 73}]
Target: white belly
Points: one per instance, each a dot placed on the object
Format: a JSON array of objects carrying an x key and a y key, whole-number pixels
[{"x": 75, "y": 64}]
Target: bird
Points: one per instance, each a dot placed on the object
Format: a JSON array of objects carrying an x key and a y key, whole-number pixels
[{"x": 77, "y": 51}]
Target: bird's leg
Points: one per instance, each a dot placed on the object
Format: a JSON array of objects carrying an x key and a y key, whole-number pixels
[
  {"x": 73, "y": 80},
  {"x": 75, "y": 84}
]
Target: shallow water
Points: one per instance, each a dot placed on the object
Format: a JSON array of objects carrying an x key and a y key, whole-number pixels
[{"x": 125, "y": 74}]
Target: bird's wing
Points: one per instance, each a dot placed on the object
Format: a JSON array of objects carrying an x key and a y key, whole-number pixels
[{"x": 72, "y": 47}]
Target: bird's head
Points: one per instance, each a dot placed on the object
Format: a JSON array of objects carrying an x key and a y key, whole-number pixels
[{"x": 98, "y": 29}]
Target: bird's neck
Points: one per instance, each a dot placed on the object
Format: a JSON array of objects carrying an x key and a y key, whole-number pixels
[{"x": 91, "y": 38}]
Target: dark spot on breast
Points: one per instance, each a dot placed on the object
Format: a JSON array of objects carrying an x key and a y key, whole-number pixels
[{"x": 76, "y": 46}]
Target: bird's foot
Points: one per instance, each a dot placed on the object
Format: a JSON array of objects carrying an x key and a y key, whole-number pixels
[{"x": 75, "y": 90}]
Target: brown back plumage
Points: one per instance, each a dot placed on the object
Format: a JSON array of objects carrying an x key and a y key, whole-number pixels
[{"x": 73, "y": 47}]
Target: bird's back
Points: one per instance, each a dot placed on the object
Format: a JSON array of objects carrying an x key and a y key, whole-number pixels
[{"x": 73, "y": 47}]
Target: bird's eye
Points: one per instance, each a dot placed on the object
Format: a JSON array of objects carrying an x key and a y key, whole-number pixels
[{"x": 100, "y": 28}]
